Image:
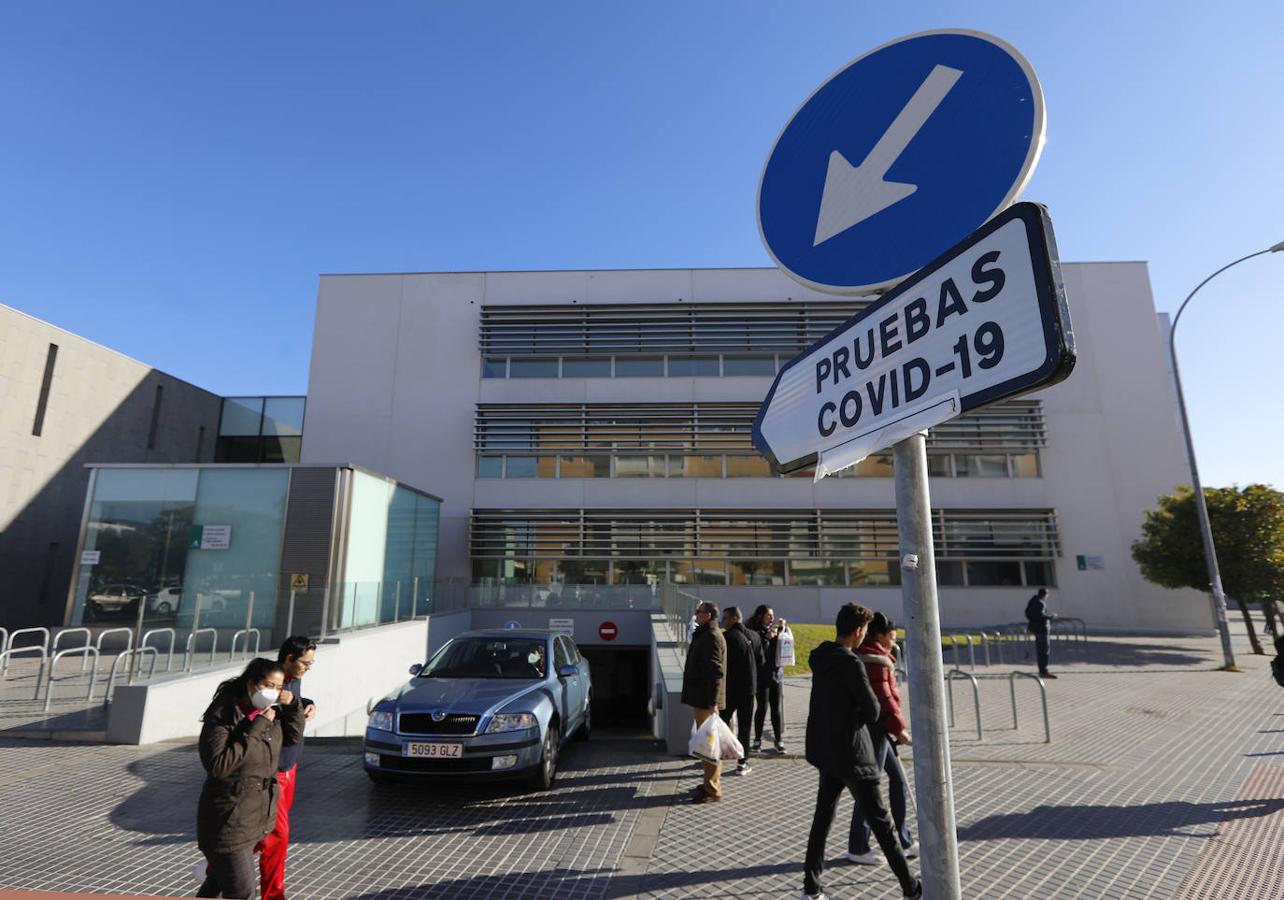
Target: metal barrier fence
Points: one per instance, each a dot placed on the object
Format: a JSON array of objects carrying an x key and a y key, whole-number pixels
[{"x": 679, "y": 611}]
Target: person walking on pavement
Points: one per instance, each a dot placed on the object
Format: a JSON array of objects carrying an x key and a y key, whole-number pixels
[
  {"x": 704, "y": 688},
  {"x": 1038, "y": 617},
  {"x": 247, "y": 723},
  {"x": 296, "y": 656},
  {"x": 840, "y": 747},
  {"x": 744, "y": 659},
  {"x": 771, "y": 678},
  {"x": 890, "y": 731}
]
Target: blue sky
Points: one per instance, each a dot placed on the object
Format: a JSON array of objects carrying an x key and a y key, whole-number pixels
[{"x": 174, "y": 176}]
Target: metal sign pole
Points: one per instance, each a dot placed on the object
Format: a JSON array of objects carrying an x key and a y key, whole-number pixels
[{"x": 933, "y": 781}]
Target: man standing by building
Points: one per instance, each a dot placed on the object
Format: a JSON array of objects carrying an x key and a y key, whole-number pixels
[
  {"x": 704, "y": 688},
  {"x": 296, "y": 655},
  {"x": 744, "y": 658},
  {"x": 839, "y": 745},
  {"x": 1036, "y": 613}
]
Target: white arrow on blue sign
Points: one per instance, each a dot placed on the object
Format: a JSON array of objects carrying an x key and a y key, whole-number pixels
[{"x": 899, "y": 156}]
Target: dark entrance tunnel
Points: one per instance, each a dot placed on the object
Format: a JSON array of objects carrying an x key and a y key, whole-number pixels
[{"x": 621, "y": 687}]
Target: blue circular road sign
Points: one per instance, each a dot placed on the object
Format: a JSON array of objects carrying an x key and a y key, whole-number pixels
[{"x": 898, "y": 157}]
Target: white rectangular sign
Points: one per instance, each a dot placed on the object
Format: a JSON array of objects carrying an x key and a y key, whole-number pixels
[
  {"x": 216, "y": 537},
  {"x": 985, "y": 321},
  {"x": 562, "y": 626},
  {"x": 90, "y": 557}
]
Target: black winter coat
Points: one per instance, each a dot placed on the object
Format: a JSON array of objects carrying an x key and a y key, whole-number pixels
[
  {"x": 744, "y": 656},
  {"x": 842, "y": 706},
  {"x": 769, "y": 671},
  {"x": 237, "y": 808},
  {"x": 704, "y": 677}
]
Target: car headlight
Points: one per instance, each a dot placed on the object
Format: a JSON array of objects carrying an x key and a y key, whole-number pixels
[
  {"x": 511, "y": 722},
  {"x": 380, "y": 720}
]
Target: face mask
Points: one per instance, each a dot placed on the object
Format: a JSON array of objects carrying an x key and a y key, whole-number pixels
[{"x": 263, "y": 698}]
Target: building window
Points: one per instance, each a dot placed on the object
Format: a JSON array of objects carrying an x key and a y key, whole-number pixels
[
  {"x": 46, "y": 382},
  {"x": 260, "y": 430},
  {"x": 977, "y": 548}
]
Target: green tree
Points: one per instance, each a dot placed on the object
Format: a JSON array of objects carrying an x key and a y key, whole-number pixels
[{"x": 1248, "y": 529}]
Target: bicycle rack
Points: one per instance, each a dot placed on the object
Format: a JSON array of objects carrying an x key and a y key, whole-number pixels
[
  {"x": 57, "y": 638},
  {"x": 1043, "y": 693},
  {"x": 43, "y": 646},
  {"x": 985, "y": 645},
  {"x": 191, "y": 642},
  {"x": 173, "y": 635},
  {"x": 53, "y": 666},
  {"x": 38, "y": 648},
  {"x": 4, "y": 639},
  {"x": 140, "y": 652},
  {"x": 247, "y": 632},
  {"x": 950, "y": 678}
]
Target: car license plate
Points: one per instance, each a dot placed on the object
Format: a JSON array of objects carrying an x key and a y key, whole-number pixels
[{"x": 433, "y": 750}]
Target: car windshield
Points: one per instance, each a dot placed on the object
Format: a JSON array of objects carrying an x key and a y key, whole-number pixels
[{"x": 486, "y": 657}]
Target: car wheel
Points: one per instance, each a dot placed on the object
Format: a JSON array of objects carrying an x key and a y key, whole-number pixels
[
  {"x": 163, "y": 609},
  {"x": 547, "y": 771},
  {"x": 586, "y": 727},
  {"x": 383, "y": 778}
]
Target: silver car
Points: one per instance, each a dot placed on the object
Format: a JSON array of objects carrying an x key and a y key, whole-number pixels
[{"x": 495, "y": 704}]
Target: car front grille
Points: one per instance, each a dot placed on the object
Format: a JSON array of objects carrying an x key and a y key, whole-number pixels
[
  {"x": 428, "y": 766},
  {"x": 422, "y": 723}
]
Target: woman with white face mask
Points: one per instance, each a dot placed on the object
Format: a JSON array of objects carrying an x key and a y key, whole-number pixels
[{"x": 246, "y": 724}]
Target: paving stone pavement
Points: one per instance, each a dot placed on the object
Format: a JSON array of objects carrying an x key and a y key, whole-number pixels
[{"x": 1164, "y": 779}]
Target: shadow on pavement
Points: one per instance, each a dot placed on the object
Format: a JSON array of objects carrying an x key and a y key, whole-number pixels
[
  {"x": 1098, "y": 822},
  {"x": 336, "y": 802},
  {"x": 568, "y": 882}
]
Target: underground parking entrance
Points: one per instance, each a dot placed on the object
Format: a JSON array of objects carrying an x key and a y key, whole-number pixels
[{"x": 621, "y": 689}]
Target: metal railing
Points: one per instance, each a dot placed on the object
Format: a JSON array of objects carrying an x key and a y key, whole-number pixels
[
  {"x": 1043, "y": 694},
  {"x": 173, "y": 635},
  {"x": 191, "y": 643},
  {"x": 11, "y": 650},
  {"x": 131, "y": 654},
  {"x": 950, "y": 677},
  {"x": 679, "y": 611},
  {"x": 53, "y": 673},
  {"x": 88, "y": 635},
  {"x": 247, "y": 632}
]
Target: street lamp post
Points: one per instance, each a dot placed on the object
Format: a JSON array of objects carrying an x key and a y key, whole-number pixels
[{"x": 1205, "y": 528}]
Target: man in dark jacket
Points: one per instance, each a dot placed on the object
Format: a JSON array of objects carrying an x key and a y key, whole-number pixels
[
  {"x": 744, "y": 658},
  {"x": 839, "y": 745},
  {"x": 1036, "y": 613},
  {"x": 297, "y": 655},
  {"x": 704, "y": 688}
]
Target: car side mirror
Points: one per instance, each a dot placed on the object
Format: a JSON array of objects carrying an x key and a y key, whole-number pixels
[
  {"x": 568, "y": 670},
  {"x": 416, "y": 669}
]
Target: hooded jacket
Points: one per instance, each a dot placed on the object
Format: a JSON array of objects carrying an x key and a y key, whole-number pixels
[
  {"x": 881, "y": 669},
  {"x": 842, "y": 705},
  {"x": 704, "y": 677},
  {"x": 241, "y": 752}
]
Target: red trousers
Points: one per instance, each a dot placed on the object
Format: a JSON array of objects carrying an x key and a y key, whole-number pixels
[{"x": 272, "y": 848}]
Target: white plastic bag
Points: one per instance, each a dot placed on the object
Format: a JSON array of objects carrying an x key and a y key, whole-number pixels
[
  {"x": 704, "y": 740},
  {"x": 728, "y": 744},
  {"x": 785, "y": 648}
]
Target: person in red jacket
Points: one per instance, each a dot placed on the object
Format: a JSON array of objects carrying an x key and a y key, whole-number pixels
[{"x": 876, "y": 652}]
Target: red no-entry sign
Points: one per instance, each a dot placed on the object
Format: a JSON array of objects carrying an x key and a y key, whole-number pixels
[{"x": 607, "y": 631}]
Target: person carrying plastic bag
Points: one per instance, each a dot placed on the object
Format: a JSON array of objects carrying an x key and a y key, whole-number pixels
[{"x": 704, "y": 690}]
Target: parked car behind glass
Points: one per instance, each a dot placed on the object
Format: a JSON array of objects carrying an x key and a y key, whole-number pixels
[{"x": 498, "y": 703}]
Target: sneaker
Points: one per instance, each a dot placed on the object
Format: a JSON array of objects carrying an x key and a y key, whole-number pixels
[
  {"x": 756, "y": 746},
  {"x": 872, "y": 858},
  {"x": 705, "y": 797},
  {"x": 743, "y": 769},
  {"x": 917, "y": 892},
  {"x": 1047, "y": 675},
  {"x": 912, "y": 850},
  {"x": 780, "y": 747},
  {"x": 806, "y": 896}
]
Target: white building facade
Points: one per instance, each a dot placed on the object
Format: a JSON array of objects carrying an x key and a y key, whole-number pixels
[{"x": 591, "y": 429}]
